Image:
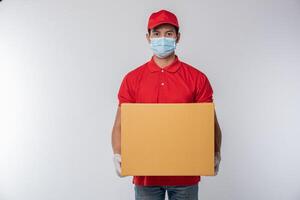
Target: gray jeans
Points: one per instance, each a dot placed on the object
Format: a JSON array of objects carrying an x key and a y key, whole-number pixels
[{"x": 159, "y": 192}]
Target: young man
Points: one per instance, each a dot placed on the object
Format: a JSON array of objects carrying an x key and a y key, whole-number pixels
[{"x": 164, "y": 79}]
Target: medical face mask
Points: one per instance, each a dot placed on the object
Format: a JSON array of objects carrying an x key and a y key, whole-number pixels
[{"x": 163, "y": 47}]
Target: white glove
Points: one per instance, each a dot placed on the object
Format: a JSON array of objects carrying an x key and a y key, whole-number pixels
[
  {"x": 117, "y": 162},
  {"x": 217, "y": 162}
]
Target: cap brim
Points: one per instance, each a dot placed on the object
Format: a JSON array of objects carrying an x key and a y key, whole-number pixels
[{"x": 163, "y": 22}]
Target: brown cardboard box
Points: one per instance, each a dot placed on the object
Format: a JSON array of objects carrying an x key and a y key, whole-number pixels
[{"x": 171, "y": 139}]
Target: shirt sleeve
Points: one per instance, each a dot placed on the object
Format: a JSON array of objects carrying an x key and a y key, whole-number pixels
[
  {"x": 125, "y": 94},
  {"x": 204, "y": 91}
]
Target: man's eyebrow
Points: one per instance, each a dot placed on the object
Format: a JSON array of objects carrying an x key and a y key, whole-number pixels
[
  {"x": 156, "y": 30},
  {"x": 170, "y": 30}
]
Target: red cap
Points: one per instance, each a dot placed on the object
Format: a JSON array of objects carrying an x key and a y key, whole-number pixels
[{"x": 162, "y": 17}]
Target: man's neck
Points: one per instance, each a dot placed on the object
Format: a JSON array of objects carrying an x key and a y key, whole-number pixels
[{"x": 162, "y": 62}]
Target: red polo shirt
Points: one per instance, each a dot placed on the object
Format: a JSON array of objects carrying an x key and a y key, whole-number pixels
[{"x": 175, "y": 83}]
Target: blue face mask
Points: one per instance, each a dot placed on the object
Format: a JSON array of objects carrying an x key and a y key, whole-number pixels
[{"x": 163, "y": 47}]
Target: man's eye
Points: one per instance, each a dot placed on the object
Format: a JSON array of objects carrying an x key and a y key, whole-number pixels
[{"x": 169, "y": 34}]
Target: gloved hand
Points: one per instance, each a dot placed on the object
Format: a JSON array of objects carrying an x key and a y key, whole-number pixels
[
  {"x": 117, "y": 163},
  {"x": 217, "y": 162}
]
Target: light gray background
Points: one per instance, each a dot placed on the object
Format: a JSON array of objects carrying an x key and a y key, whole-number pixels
[{"x": 61, "y": 64}]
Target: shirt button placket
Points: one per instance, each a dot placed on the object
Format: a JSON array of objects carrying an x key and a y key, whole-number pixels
[{"x": 162, "y": 83}]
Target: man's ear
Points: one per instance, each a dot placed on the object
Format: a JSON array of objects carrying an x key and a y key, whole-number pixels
[
  {"x": 178, "y": 37},
  {"x": 148, "y": 37}
]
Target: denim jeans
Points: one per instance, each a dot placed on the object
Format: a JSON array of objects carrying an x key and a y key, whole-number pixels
[{"x": 189, "y": 192}]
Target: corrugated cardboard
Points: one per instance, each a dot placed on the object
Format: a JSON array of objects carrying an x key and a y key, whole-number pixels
[{"x": 171, "y": 139}]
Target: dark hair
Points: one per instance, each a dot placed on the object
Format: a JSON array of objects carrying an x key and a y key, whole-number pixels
[{"x": 176, "y": 30}]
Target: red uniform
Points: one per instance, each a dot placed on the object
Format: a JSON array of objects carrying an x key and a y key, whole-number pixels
[{"x": 175, "y": 83}]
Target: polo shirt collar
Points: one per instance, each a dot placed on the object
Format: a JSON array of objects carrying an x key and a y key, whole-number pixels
[{"x": 173, "y": 67}]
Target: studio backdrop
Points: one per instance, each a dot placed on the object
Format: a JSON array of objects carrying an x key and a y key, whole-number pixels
[{"x": 61, "y": 65}]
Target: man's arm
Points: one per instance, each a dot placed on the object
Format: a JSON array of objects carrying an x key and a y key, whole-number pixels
[
  {"x": 116, "y": 142},
  {"x": 218, "y": 140},
  {"x": 218, "y": 136},
  {"x": 116, "y": 133}
]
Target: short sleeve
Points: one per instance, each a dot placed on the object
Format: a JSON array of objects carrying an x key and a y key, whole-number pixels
[
  {"x": 125, "y": 94},
  {"x": 204, "y": 91}
]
